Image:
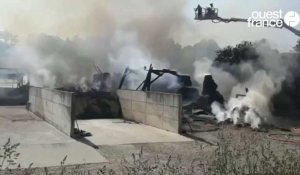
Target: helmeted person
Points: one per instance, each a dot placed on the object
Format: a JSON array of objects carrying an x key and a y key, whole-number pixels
[
  {"x": 210, "y": 11},
  {"x": 198, "y": 10}
]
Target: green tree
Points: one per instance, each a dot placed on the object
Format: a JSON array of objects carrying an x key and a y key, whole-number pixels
[{"x": 244, "y": 51}]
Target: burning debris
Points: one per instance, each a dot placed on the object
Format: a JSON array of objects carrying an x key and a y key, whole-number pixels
[
  {"x": 102, "y": 81},
  {"x": 240, "y": 115},
  {"x": 194, "y": 104},
  {"x": 251, "y": 107},
  {"x": 95, "y": 99},
  {"x": 182, "y": 83}
]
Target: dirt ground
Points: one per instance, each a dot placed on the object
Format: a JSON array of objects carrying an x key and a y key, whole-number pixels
[{"x": 185, "y": 152}]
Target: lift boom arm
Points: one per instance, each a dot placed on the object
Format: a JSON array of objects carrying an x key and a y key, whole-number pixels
[{"x": 211, "y": 13}]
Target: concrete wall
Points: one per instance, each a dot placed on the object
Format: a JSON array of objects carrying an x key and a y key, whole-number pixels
[
  {"x": 161, "y": 110},
  {"x": 53, "y": 106}
]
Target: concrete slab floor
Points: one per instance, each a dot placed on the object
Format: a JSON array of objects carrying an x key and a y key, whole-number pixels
[
  {"x": 42, "y": 144},
  {"x": 118, "y": 132}
]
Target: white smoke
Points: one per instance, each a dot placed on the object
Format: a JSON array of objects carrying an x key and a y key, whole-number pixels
[
  {"x": 253, "y": 108},
  {"x": 225, "y": 80},
  {"x": 108, "y": 38},
  {"x": 127, "y": 52},
  {"x": 247, "y": 101}
]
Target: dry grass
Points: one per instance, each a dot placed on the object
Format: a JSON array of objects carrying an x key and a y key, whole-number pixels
[{"x": 245, "y": 156}]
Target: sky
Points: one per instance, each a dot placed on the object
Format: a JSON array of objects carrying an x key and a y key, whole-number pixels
[
  {"x": 68, "y": 18},
  {"x": 231, "y": 33}
]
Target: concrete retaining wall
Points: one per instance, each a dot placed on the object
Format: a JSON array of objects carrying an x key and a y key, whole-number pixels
[
  {"x": 53, "y": 106},
  {"x": 161, "y": 110}
]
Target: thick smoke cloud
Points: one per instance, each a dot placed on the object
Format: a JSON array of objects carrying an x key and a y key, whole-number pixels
[
  {"x": 263, "y": 78},
  {"x": 117, "y": 39},
  {"x": 62, "y": 48}
]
